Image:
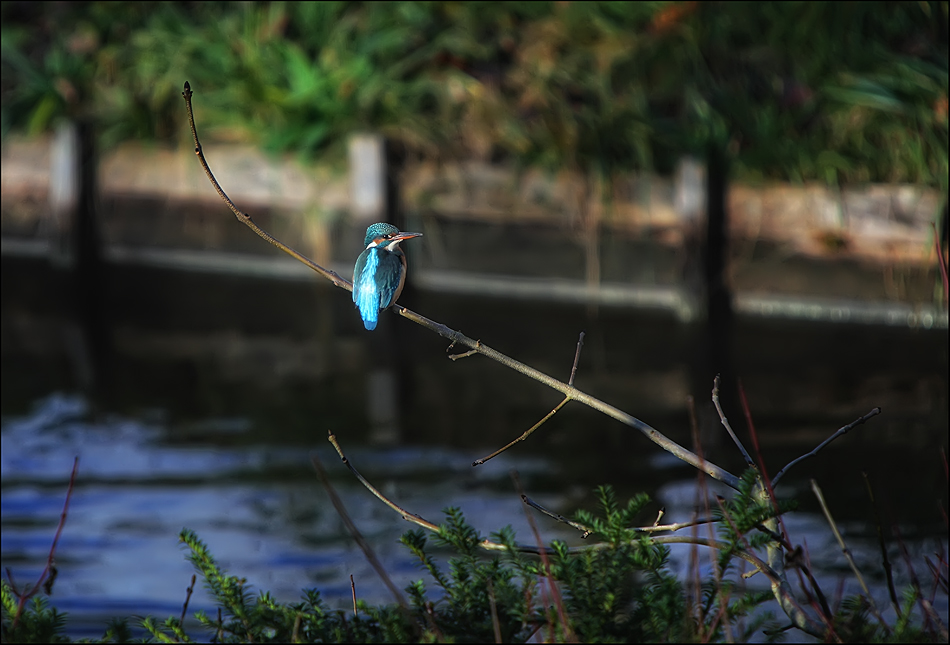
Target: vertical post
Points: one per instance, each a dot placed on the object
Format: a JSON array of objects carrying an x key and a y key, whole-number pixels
[
  {"x": 367, "y": 178},
  {"x": 63, "y": 195}
]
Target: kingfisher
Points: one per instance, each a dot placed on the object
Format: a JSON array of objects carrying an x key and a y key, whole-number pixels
[{"x": 380, "y": 271}]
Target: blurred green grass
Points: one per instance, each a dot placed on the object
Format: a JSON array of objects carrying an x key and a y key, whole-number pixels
[{"x": 834, "y": 92}]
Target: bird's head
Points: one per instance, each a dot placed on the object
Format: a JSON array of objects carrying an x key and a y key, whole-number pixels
[{"x": 386, "y": 236}]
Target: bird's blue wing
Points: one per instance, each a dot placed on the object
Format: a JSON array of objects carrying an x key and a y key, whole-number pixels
[
  {"x": 390, "y": 277},
  {"x": 365, "y": 291}
]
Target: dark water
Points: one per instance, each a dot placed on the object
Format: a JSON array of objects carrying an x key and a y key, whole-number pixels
[{"x": 201, "y": 402}]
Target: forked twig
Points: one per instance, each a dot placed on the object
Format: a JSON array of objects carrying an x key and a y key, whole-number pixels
[
  {"x": 457, "y": 337},
  {"x": 840, "y": 432},
  {"x": 529, "y": 431},
  {"x": 48, "y": 574}
]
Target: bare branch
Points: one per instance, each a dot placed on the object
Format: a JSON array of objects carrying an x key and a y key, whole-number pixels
[
  {"x": 727, "y": 426},
  {"x": 585, "y": 532},
  {"x": 527, "y": 433},
  {"x": 841, "y": 431}
]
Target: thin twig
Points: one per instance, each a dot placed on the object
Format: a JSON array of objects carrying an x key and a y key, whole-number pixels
[
  {"x": 926, "y": 607},
  {"x": 577, "y": 357},
  {"x": 546, "y": 563},
  {"x": 847, "y": 554},
  {"x": 585, "y": 531},
  {"x": 357, "y": 536},
  {"x": 841, "y": 431},
  {"x": 49, "y": 572},
  {"x": 942, "y": 263},
  {"x": 659, "y": 516},
  {"x": 353, "y": 591},
  {"x": 727, "y": 426},
  {"x": 496, "y": 626},
  {"x": 527, "y": 433},
  {"x": 406, "y": 515},
  {"x": 190, "y": 590},
  {"x": 457, "y": 337},
  {"x": 885, "y": 560}
]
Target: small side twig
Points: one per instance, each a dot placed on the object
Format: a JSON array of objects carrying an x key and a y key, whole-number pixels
[
  {"x": 577, "y": 357},
  {"x": 847, "y": 554},
  {"x": 585, "y": 531},
  {"x": 190, "y": 590},
  {"x": 885, "y": 560},
  {"x": 727, "y": 425},
  {"x": 353, "y": 591},
  {"x": 942, "y": 263},
  {"x": 496, "y": 626},
  {"x": 840, "y": 432},
  {"x": 474, "y": 350},
  {"x": 527, "y": 433}
]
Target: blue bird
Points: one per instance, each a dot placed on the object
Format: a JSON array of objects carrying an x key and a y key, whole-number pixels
[{"x": 380, "y": 271}]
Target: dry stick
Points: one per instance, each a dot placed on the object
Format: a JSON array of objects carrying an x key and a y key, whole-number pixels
[
  {"x": 585, "y": 531},
  {"x": 727, "y": 425},
  {"x": 190, "y": 590},
  {"x": 943, "y": 264},
  {"x": 50, "y": 568},
  {"x": 886, "y": 562},
  {"x": 841, "y": 431},
  {"x": 527, "y": 433},
  {"x": 847, "y": 554},
  {"x": 355, "y": 533},
  {"x": 695, "y": 600},
  {"x": 496, "y": 626},
  {"x": 552, "y": 583},
  {"x": 577, "y": 357},
  {"x": 353, "y": 591},
  {"x": 568, "y": 391}
]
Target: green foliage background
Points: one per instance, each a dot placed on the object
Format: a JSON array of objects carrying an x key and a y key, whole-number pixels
[{"x": 836, "y": 92}]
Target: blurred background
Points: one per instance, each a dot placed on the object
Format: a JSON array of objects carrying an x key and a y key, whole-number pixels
[{"x": 752, "y": 190}]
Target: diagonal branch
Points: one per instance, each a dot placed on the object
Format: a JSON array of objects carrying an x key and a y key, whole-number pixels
[
  {"x": 841, "y": 431},
  {"x": 459, "y": 338}
]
